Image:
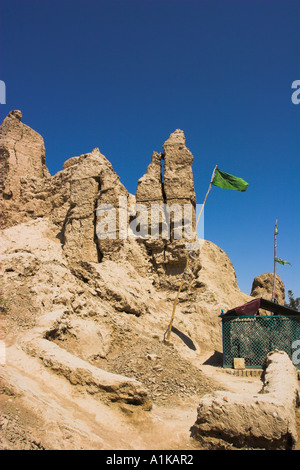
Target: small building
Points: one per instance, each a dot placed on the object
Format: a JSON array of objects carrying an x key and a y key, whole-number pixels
[{"x": 258, "y": 327}]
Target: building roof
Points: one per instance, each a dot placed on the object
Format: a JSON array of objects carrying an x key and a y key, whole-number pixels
[{"x": 251, "y": 308}]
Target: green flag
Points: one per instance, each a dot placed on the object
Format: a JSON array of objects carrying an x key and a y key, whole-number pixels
[
  {"x": 281, "y": 261},
  {"x": 227, "y": 181}
]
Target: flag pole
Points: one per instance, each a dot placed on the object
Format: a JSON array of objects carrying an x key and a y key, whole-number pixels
[
  {"x": 275, "y": 255},
  {"x": 209, "y": 188},
  {"x": 169, "y": 329}
]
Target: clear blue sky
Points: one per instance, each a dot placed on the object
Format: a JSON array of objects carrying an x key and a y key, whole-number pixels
[{"x": 122, "y": 75}]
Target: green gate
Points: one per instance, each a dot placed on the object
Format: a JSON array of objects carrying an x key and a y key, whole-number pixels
[{"x": 253, "y": 337}]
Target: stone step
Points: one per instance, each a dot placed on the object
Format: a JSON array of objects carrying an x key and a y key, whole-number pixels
[
  {"x": 244, "y": 372},
  {"x": 248, "y": 372}
]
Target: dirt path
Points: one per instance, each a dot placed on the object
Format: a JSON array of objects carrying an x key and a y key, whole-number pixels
[{"x": 42, "y": 410}]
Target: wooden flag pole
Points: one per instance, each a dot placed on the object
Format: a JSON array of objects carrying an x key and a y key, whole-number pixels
[
  {"x": 169, "y": 329},
  {"x": 275, "y": 254}
]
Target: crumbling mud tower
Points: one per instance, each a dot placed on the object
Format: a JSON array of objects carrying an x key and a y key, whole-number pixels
[
  {"x": 71, "y": 197},
  {"x": 168, "y": 182},
  {"x": 69, "y": 200}
]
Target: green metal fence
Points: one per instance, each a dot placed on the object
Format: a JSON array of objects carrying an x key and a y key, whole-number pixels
[{"x": 253, "y": 337}]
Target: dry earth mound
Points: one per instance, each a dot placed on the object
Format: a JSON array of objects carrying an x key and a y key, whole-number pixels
[{"x": 86, "y": 316}]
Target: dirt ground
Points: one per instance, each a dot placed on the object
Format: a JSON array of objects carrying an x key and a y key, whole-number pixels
[{"x": 42, "y": 410}]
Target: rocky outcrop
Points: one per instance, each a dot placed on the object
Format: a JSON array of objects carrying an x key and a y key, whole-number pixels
[
  {"x": 92, "y": 182},
  {"x": 263, "y": 285},
  {"x": 178, "y": 174},
  {"x": 266, "y": 420},
  {"x": 70, "y": 199},
  {"x": 76, "y": 203},
  {"x": 168, "y": 188},
  {"x": 150, "y": 186},
  {"x": 95, "y": 381},
  {"x": 22, "y": 155}
]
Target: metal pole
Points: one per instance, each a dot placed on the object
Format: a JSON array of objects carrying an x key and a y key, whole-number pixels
[
  {"x": 209, "y": 188},
  {"x": 275, "y": 254}
]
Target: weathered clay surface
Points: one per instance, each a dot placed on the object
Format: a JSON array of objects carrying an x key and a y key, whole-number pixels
[
  {"x": 266, "y": 420},
  {"x": 95, "y": 381},
  {"x": 263, "y": 286},
  {"x": 178, "y": 174},
  {"x": 63, "y": 208},
  {"x": 75, "y": 307},
  {"x": 168, "y": 182},
  {"x": 22, "y": 153}
]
